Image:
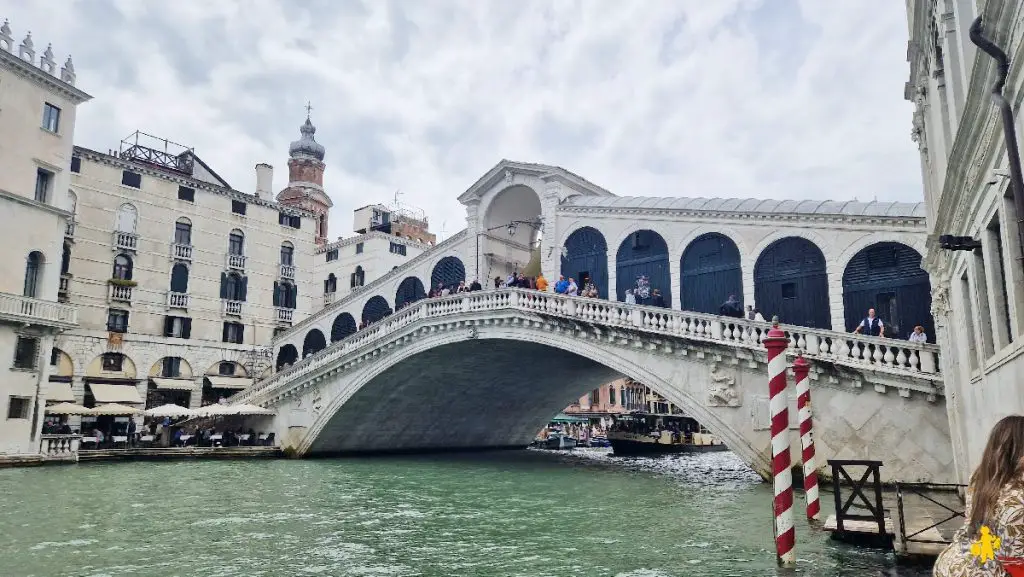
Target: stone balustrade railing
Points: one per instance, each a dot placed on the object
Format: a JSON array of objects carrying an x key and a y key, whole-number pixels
[
  {"x": 857, "y": 351},
  {"x": 35, "y": 311},
  {"x": 59, "y": 447}
]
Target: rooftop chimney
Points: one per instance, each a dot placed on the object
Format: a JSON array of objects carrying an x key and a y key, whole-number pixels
[{"x": 264, "y": 179}]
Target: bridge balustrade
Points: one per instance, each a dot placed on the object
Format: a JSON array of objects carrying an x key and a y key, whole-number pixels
[{"x": 858, "y": 351}]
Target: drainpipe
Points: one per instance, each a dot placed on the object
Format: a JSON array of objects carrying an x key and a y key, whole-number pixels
[{"x": 1009, "y": 130}]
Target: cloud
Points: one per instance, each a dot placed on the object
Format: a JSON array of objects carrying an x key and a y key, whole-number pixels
[{"x": 763, "y": 98}]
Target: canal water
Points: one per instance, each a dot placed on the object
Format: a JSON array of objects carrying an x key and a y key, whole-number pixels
[{"x": 527, "y": 513}]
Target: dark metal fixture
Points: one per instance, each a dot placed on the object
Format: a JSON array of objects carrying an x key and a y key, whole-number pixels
[{"x": 950, "y": 242}]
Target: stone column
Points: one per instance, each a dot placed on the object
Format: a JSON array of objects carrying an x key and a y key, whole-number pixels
[
  {"x": 550, "y": 250},
  {"x": 196, "y": 397},
  {"x": 472, "y": 236},
  {"x": 78, "y": 389},
  {"x": 612, "y": 275},
  {"x": 42, "y": 387},
  {"x": 675, "y": 274}
]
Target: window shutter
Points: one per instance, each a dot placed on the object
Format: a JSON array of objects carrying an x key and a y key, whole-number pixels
[
  {"x": 168, "y": 326},
  {"x": 244, "y": 289},
  {"x": 277, "y": 295},
  {"x": 186, "y": 328},
  {"x": 224, "y": 333},
  {"x": 326, "y": 286},
  {"x": 223, "y": 285},
  {"x": 295, "y": 296}
]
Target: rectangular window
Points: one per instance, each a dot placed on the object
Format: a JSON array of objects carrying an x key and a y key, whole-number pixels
[
  {"x": 25, "y": 352},
  {"x": 44, "y": 180},
  {"x": 76, "y": 164},
  {"x": 233, "y": 333},
  {"x": 332, "y": 255},
  {"x": 789, "y": 290},
  {"x": 359, "y": 248},
  {"x": 397, "y": 248},
  {"x": 968, "y": 321},
  {"x": 17, "y": 407},
  {"x": 54, "y": 356},
  {"x": 51, "y": 118},
  {"x": 132, "y": 179},
  {"x": 117, "y": 321},
  {"x": 289, "y": 220},
  {"x": 186, "y": 193},
  {"x": 226, "y": 369},
  {"x": 238, "y": 207},
  {"x": 171, "y": 367},
  {"x": 295, "y": 222},
  {"x": 177, "y": 327},
  {"x": 995, "y": 238},
  {"x": 113, "y": 362},
  {"x": 182, "y": 233},
  {"x": 980, "y": 277}
]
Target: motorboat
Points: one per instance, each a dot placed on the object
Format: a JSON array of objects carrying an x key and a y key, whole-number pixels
[{"x": 639, "y": 433}]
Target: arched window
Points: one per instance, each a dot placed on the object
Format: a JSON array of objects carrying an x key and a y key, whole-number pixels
[
  {"x": 287, "y": 253},
  {"x": 122, "y": 267},
  {"x": 358, "y": 277},
  {"x": 127, "y": 218},
  {"x": 236, "y": 243},
  {"x": 331, "y": 284},
  {"x": 33, "y": 272},
  {"x": 286, "y": 295},
  {"x": 179, "y": 278},
  {"x": 183, "y": 232}
]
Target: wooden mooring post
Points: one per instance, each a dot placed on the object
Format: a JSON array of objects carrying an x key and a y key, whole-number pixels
[{"x": 873, "y": 529}]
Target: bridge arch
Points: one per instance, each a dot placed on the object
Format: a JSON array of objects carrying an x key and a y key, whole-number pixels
[
  {"x": 352, "y": 413},
  {"x": 710, "y": 271},
  {"x": 791, "y": 281},
  {"x": 286, "y": 355},
  {"x": 313, "y": 343},
  {"x": 585, "y": 252},
  {"x": 409, "y": 291},
  {"x": 643, "y": 252},
  {"x": 887, "y": 276},
  {"x": 448, "y": 272},
  {"x": 343, "y": 325},
  {"x": 375, "y": 309}
]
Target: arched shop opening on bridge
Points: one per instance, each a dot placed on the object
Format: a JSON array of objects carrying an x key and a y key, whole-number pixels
[
  {"x": 643, "y": 254},
  {"x": 790, "y": 281},
  {"x": 510, "y": 239},
  {"x": 710, "y": 272},
  {"x": 375, "y": 309},
  {"x": 313, "y": 343},
  {"x": 409, "y": 291},
  {"x": 343, "y": 326},
  {"x": 287, "y": 355},
  {"x": 585, "y": 255},
  {"x": 888, "y": 277},
  {"x": 447, "y": 273}
]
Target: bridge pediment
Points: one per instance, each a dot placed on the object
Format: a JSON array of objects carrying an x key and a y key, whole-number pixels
[{"x": 529, "y": 354}]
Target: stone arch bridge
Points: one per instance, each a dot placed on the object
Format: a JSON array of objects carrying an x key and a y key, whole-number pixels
[{"x": 489, "y": 368}]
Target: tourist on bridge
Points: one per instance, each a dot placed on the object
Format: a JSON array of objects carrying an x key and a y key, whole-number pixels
[
  {"x": 871, "y": 325},
  {"x": 542, "y": 283},
  {"x": 991, "y": 542},
  {"x": 562, "y": 285},
  {"x": 657, "y": 300},
  {"x": 573, "y": 289},
  {"x": 731, "y": 308},
  {"x": 630, "y": 297},
  {"x": 475, "y": 285},
  {"x": 918, "y": 336}
]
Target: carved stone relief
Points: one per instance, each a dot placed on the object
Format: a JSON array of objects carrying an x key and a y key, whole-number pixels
[{"x": 722, "y": 391}]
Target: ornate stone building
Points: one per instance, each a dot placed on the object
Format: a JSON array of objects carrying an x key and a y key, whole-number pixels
[
  {"x": 38, "y": 103},
  {"x": 978, "y": 297}
]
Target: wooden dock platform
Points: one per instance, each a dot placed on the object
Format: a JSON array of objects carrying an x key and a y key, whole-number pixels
[
  {"x": 860, "y": 532},
  {"x": 178, "y": 453}
]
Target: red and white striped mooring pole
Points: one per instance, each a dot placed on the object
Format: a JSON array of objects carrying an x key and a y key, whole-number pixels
[
  {"x": 803, "y": 391},
  {"x": 778, "y": 404}
]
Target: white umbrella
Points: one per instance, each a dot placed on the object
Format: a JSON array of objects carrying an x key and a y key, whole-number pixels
[
  {"x": 214, "y": 410},
  {"x": 115, "y": 409},
  {"x": 67, "y": 409},
  {"x": 170, "y": 410},
  {"x": 248, "y": 409}
]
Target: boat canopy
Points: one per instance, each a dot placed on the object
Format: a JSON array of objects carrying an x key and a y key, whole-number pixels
[{"x": 563, "y": 418}]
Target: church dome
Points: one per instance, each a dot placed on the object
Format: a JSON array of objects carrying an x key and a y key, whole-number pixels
[{"x": 307, "y": 145}]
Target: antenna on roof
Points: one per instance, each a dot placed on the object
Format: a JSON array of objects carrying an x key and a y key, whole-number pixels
[{"x": 441, "y": 234}]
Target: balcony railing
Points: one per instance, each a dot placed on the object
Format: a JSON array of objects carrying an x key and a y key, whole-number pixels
[
  {"x": 233, "y": 308},
  {"x": 181, "y": 252},
  {"x": 34, "y": 311},
  {"x": 236, "y": 262},
  {"x": 287, "y": 271},
  {"x": 120, "y": 293},
  {"x": 125, "y": 240},
  {"x": 329, "y": 298},
  {"x": 69, "y": 229},
  {"x": 177, "y": 300},
  {"x": 284, "y": 315},
  {"x": 59, "y": 447}
]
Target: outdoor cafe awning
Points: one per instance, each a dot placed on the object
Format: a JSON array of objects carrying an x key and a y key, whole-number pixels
[
  {"x": 115, "y": 410},
  {"x": 59, "y": 392},
  {"x": 174, "y": 384},
  {"x": 238, "y": 383},
  {"x": 67, "y": 409},
  {"x": 104, "y": 393}
]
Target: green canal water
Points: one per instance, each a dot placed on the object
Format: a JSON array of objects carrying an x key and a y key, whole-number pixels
[{"x": 529, "y": 514}]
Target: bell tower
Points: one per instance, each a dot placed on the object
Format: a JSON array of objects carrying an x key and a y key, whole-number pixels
[{"x": 305, "y": 188}]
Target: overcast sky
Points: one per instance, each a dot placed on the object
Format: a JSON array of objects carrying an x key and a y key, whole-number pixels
[{"x": 797, "y": 99}]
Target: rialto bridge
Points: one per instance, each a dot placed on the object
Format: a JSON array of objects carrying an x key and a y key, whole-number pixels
[{"x": 490, "y": 376}]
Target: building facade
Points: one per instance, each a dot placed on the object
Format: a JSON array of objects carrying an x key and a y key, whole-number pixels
[
  {"x": 978, "y": 297},
  {"x": 37, "y": 124},
  {"x": 619, "y": 396},
  {"x": 180, "y": 279}
]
